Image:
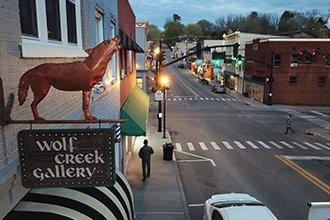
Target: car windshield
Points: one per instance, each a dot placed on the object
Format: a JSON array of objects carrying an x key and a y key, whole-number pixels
[{"x": 235, "y": 204}]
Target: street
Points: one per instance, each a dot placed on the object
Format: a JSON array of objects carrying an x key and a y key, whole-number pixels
[{"x": 223, "y": 145}]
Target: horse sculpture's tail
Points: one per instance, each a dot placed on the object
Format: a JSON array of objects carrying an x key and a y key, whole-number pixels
[{"x": 23, "y": 87}]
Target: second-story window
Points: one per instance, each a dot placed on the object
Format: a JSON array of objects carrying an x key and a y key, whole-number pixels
[
  {"x": 277, "y": 60},
  {"x": 99, "y": 27},
  {"x": 53, "y": 19},
  {"x": 28, "y": 17},
  {"x": 71, "y": 20},
  {"x": 51, "y": 28}
]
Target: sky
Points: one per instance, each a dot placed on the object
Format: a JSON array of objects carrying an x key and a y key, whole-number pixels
[{"x": 191, "y": 11}]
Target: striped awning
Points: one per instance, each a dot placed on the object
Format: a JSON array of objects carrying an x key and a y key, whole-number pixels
[
  {"x": 82, "y": 203},
  {"x": 128, "y": 43}
]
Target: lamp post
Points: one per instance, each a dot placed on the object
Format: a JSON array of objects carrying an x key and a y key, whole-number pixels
[
  {"x": 164, "y": 82},
  {"x": 157, "y": 52}
]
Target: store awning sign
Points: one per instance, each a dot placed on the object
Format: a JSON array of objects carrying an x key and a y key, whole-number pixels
[{"x": 73, "y": 157}]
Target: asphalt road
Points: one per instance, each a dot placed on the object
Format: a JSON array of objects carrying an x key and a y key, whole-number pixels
[{"x": 223, "y": 145}]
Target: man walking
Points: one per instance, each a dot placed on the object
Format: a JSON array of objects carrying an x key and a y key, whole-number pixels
[
  {"x": 289, "y": 124},
  {"x": 145, "y": 154}
]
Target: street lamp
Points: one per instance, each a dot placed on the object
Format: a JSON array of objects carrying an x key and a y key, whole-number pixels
[{"x": 164, "y": 81}]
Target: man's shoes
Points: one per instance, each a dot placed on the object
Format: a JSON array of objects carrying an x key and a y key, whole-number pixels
[
  {"x": 144, "y": 179},
  {"x": 148, "y": 175}
]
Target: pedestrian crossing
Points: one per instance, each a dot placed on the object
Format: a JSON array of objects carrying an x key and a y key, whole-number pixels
[
  {"x": 193, "y": 98},
  {"x": 254, "y": 145}
]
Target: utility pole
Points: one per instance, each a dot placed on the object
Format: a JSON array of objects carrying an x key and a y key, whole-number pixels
[{"x": 160, "y": 57}]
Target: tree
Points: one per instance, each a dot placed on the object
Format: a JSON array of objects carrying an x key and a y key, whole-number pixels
[
  {"x": 172, "y": 30},
  {"x": 154, "y": 34},
  {"x": 176, "y": 18},
  {"x": 193, "y": 31},
  {"x": 208, "y": 28}
]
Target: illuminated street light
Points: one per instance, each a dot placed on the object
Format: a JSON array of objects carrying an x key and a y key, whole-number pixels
[{"x": 164, "y": 81}]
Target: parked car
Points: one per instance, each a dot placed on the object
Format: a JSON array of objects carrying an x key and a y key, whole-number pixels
[
  {"x": 180, "y": 65},
  {"x": 236, "y": 206},
  {"x": 218, "y": 88},
  {"x": 318, "y": 210}
]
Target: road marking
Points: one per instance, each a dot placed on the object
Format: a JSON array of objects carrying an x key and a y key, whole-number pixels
[
  {"x": 196, "y": 205},
  {"x": 286, "y": 144},
  {"x": 190, "y": 99},
  {"x": 194, "y": 155},
  {"x": 217, "y": 99},
  {"x": 206, "y": 98},
  {"x": 180, "y": 99},
  {"x": 312, "y": 146},
  {"x": 228, "y": 100},
  {"x": 276, "y": 145},
  {"x": 318, "y": 113},
  {"x": 223, "y": 99},
  {"x": 307, "y": 158},
  {"x": 190, "y": 146},
  {"x": 264, "y": 145},
  {"x": 203, "y": 146},
  {"x": 212, "y": 99},
  {"x": 215, "y": 146},
  {"x": 178, "y": 147},
  {"x": 252, "y": 145},
  {"x": 201, "y": 98},
  {"x": 174, "y": 99},
  {"x": 321, "y": 145},
  {"x": 319, "y": 183},
  {"x": 234, "y": 100},
  {"x": 241, "y": 146},
  {"x": 196, "y": 98},
  {"x": 299, "y": 145},
  {"x": 228, "y": 146}
]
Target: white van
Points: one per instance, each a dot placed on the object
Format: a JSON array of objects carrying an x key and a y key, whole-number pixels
[{"x": 319, "y": 211}]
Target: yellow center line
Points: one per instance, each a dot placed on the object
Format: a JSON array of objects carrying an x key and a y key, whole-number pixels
[{"x": 323, "y": 186}]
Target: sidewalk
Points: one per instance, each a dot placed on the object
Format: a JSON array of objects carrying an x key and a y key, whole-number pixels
[{"x": 161, "y": 197}]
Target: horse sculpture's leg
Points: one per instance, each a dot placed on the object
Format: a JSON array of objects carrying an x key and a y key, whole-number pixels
[
  {"x": 85, "y": 105},
  {"x": 40, "y": 88}
]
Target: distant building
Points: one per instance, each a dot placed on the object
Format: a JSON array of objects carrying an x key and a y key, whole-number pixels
[
  {"x": 288, "y": 71},
  {"x": 141, "y": 58}
]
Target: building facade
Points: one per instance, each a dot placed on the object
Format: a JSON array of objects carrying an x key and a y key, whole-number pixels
[
  {"x": 35, "y": 32},
  {"x": 288, "y": 71}
]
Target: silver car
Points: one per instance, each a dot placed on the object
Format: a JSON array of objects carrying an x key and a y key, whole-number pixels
[{"x": 236, "y": 206}]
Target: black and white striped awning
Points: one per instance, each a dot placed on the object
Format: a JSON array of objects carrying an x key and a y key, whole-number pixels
[{"x": 114, "y": 202}]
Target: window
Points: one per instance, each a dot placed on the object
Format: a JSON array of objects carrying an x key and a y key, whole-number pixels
[
  {"x": 277, "y": 60},
  {"x": 327, "y": 60},
  {"x": 71, "y": 19},
  {"x": 53, "y": 19},
  {"x": 28, "y": 17},
  {"x": 99, "y": 27},
  {"x": 293, "y": 80},
  {"x": 51, "y": 28},
  {"x": 322, "y": 80},
  {"x": 294, "y": 58}
]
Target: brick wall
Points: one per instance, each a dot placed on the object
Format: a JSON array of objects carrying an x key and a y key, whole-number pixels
[
  {"x": 56, "y": 105},
  {"x": 306, "y": 90}
]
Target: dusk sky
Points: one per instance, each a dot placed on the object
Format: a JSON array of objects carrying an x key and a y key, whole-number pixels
[{"x": 191, "y": 11}]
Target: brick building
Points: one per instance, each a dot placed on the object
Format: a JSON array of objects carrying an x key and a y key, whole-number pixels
[
  {"x": 288, "y": 71},
  {"x": 33, "y": 32}
]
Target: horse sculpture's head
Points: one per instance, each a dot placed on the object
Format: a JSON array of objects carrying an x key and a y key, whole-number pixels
[{"x": 106, "y": 48}]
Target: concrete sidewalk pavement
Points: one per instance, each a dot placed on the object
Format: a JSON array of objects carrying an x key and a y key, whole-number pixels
[{"x": 161, "y": 196}]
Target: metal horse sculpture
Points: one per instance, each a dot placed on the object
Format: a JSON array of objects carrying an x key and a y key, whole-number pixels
[{"x": 75, "y": 76}]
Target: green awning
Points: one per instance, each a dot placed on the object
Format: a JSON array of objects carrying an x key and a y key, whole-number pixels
[{"x": 135, "y": 111}]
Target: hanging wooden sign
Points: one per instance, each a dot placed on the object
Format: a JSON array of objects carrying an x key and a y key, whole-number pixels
[{"x": 58, "y": 158}]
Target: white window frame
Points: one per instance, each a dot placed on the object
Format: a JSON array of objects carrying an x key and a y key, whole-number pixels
[
  {"x": 42, "y": 47},
  {"x": 99, "y": 27}
]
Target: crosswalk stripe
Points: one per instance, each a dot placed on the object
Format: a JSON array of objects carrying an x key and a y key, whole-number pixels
[
  {"x": 234, "y": 100},
  {"x": 229, "y": 100},
  {"x": 196, "y": 98},
  {"x": 203, "y": 146},
  {"x": 206, "y": 98},
  {"x": 252, "y": 145},
  {"x": 178, "y": 147},
  {"x": 190, "y": 146},
  {"x": 217, "y": 99},
  {"x": 223, "y": 99},
  {"x": 215, "y": 146},
  {"x": 321, "y": 145},
  {"x": 241, "y": 146},
  {"x": 190, "y": 99},
  {"x": 328, "y": 144},
  {"x": 201, "y": 98},
  {"x": 174, "y": 99},
  {"x": 299, "y": 145},
  {"x": 180, "y": 99},
  {"x": 228, "y": 146},
  {"x": 276, "y": 145},
  {"x": 264, "y": 145},
  {"x": 286, "y": 144},
  {"x": 312, "y": 146},
  {"x": 212, "y": 99}
]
